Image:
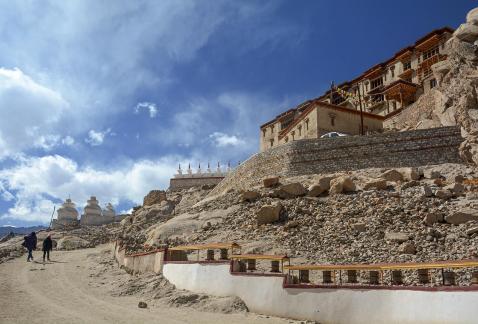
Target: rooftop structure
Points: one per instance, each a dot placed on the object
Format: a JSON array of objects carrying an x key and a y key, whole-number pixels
[{"x": 201, "y": 177}]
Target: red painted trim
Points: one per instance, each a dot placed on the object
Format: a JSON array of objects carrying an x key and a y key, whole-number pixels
[
  {"x": 257, "y": 274},
  {"x": 199, "y": 262},
  {"x": 382, "y": 287}
]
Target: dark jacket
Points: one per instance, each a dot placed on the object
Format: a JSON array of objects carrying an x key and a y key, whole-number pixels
[
  {"x": 30, "y": 241},
  {"x": 47, "y": 244}
]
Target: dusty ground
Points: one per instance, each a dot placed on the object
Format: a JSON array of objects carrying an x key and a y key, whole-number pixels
[{"x": 76, "y": 288}]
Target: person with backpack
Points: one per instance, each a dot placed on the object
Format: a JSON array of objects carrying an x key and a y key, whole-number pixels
[
  {"x": 30, "y": 243},
  {"x": 47, "y": 247}
]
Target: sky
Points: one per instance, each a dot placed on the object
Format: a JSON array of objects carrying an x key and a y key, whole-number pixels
[{"x": 106, "y": 98}]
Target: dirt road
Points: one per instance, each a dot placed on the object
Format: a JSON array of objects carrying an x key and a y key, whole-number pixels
[{"x": 67, "y": 290}]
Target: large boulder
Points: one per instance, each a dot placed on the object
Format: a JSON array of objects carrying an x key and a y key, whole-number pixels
[
  {"x": 392, "y": 175},
  {"x": 378, "y": 184},
  {"x": 467, "y": 32},
  {"x": 269, "y": 213},
  {"x": 455, "y": 188},
  {"x": 290, "y": 190},
  {"x": 154, "y": 197},
  {"x": 341, "y": 184},
  {"x": 320, "y": 186},
  {"x": 462, "y": 216},
  {"x": 407, "y": 248},
  {"x": 270, "y": 182},
  {"x": 250, "y": 195},
  {"x": 72, "y": 243},
  {"x": 324, "y": 181}
]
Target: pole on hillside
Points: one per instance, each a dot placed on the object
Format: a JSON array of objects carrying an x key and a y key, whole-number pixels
[
  {"x": 51, "y": 219},
  {"x": 361, "y": 111}
]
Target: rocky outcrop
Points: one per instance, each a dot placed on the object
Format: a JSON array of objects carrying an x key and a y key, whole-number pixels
[
  {"x": 269, "y": 213},
  {"x": 154, "y": 197}
]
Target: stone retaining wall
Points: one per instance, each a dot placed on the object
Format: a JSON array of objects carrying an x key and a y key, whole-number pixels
[
  {"x": 315, "y": 156},
  {"x": 186, "y": 183}
]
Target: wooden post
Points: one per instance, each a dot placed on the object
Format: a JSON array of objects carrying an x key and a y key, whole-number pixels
[{"x": 361, "y": 112}]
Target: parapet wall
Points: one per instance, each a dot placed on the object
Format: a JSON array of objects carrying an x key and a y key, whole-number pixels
[
  {"x": 315, "y": 156},
  {"x": 186, "y": 183}
]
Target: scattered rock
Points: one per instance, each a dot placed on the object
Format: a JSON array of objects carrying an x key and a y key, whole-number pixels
[
  {"x": 455, "y": 188},
  {"x": 341, "y": 184},
  {"x": 407, "y": 248},
  {"x": 410, "y": 174},
  {"x": 290, "y": 190},
  {"x": 397, "y": 237},
  {"x": 250, "y": 195},
  {"x": 409, "y": 184},
  {"x": 462, "y": 216},
  {"x": 392, "y": 175},
  {"x": 269, "y": 213},
  {"x": 324, "y": 181},
  {"x": 316, "y": 190},
  {"x": 430, "y": 219},
  {"x": 270, "y": 182},
  {"x": 432, "y": 174},
  {"x": 426, "y": 191},
  {"x": 443, "y": 194},
  {"x": 379, "y": 184},
  {"x": 142, "y": 304}
]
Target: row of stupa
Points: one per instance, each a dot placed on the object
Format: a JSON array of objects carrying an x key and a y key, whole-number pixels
[
  {"x": 93, "y": 215},
  {"x": 209, "y": 172}
]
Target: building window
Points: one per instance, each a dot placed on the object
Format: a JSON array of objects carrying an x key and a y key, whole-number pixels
[
  {"x": 264, "y": 132},
  {"x": 286, "y": 139},
  {"x": 394, "y": 105},
  {"x": 272, "y": 142},
  {"x": 293, "y": 134},
  {"x": 307, "y": 124},
  {"x": 300, "y": 130},
  {"x": 433, "y": 83},
  {"x": 272, "y": 129},
  {"x": 376, "y": 83},
  {"x": 332, "y": 119},
  {"x": 407, "y": 65},
  {"x": 392, "y": 71},
  {"x": 431, "y": 52}
]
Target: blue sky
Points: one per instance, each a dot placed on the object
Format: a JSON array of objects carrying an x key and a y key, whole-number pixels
[{"x": 105, "y": 98}]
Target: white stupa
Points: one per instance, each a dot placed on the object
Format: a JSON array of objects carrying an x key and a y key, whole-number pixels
[{"x": 67, "y": 215}]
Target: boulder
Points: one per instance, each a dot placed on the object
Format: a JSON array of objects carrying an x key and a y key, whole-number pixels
[
  {"x": 72, "y": 243},
  {"x": 426, "y": 191},
  {"x": 443, "y": 194},
  {"x": 410, "y": 174},
  {"x": 379, "y": 184},
  {"x": 154, "y": 197},
  {"x": 392, "y": 175},
  {"x": 341, "y": 184},
  {"x": 410, "y": 184},
  {"x": 467, "y": 32},
  {"x": 270, "y": 182},
  {"x": 472, "y": 16},
  {"x": 268, "y": 213},
  {"x": 430, "y": 219},
  {"x": 462, "y": 216},
  {"x": 250, "y": 195},
  {"x": 397, "y": 237},
  {"x": 142, "y": 304},
  {"x": 324, "y": 181},
  {"x": 290, "y": 190},
  {"x": 458, "y": 178},
  {"x": 316, "y": 190},
  {"x": 407, "y": 248},
  {"x": 455, "y": 188}
]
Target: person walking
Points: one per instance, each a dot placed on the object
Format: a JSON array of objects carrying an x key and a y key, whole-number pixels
[
  {"x": 47, "y": 247},
  {"x": 31, "y": 244}
]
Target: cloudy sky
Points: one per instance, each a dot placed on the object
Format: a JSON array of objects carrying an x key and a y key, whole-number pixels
[{"x": 106, "y": 98}]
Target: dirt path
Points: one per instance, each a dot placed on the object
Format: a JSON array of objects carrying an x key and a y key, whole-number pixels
[{"x": 67, "y": 290}]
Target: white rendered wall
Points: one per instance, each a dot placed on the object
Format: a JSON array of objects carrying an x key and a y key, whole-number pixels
[{"x": 265, "y": 295}]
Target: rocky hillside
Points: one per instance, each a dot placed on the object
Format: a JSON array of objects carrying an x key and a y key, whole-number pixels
[{"x": 362, "y": 216}]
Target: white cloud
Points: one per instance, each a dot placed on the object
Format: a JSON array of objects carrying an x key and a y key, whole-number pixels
[
  {"x": 68, "y": 140},
  {"x": 28, "y": 111},
  {"x": 49, "y": 142},
  {"x": 35, "y": 181},
  {"x": 151, "y": 107},
  {"x": 222, "y": 140},
  {"x": 96, "y": 138}
]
